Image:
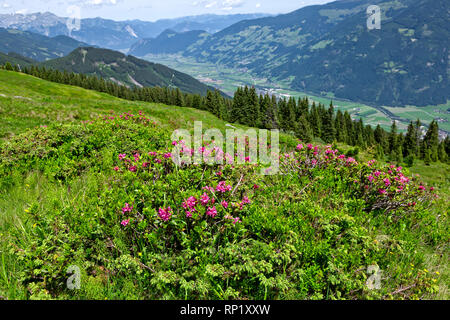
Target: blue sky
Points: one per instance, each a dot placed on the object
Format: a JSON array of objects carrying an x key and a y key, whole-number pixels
[{"x": 151, "y": 10}]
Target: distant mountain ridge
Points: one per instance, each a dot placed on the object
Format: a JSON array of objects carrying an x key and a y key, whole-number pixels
[
  {"x": 168, "y": 42},
  {"x": 125, "y": 70},
  {"x": 328, "y": 50},
  {"x": 35, "y": 46},
  {"x": 15, "y": 59},
  {"x": 66, "y": 54},
  {"x": 118, "y": 35}
]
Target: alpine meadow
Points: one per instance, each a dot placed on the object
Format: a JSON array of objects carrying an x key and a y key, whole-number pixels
[{"x": 288, "y": 153}]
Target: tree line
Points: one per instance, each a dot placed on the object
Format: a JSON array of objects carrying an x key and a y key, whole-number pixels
[{"x": 305, "y": 120}]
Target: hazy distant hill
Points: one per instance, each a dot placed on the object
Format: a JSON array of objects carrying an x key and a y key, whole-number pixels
[
  {"x": 328, "y": 50},
  {"x": 118, "y": 34},
  {"x": 15, "y": 59},
  {"x": 168, "y": 42},
  {"x": 126, "y": 70},
  {"x": 36, "y": 46}
]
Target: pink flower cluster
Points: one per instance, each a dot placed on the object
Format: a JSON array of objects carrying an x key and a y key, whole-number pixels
[
  {"x": 127, "y": 208},
  {"x": 212, "y": 212},
  {"x": 189, "y": 205},
  {"x": 234, "y": 220},
  {"x": 165, "y": 213},
  {"x": 138, "y": 161},
  {"x": 223, "y": 187},
  {"x": 206, "y": 203}
]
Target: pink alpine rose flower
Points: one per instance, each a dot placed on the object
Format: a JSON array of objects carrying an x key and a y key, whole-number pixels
[
  {"x": 165, "y": 214},
  {"x": 127, "y": 208},
  {"x": 204, "y": 199},
  {"x": 212, "y": 212},
  {"x": 224, "y": 204}
]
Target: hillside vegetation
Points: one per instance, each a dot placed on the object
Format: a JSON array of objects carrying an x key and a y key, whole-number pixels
[
  {"x": 328, "y": 50},
  {"x": 87, "y": 180},
  {"x": 125, "y": 70}
]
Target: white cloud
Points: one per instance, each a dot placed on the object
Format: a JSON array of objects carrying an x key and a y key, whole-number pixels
[
  {"x": 21, "y": 11},
  {"x": 232, "y": 3},
  {"x": 225, "y": 5},
  {"x": 97, "y": 3},
  {"x": 211, "y": 4}
]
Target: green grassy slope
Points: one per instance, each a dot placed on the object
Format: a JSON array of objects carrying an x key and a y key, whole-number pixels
[
  {"x": 27, "y": 102},
  {"x": 308, "y": 234}
]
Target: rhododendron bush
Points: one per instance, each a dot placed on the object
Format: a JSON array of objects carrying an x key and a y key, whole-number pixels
[{"x": 141, "y": 227}]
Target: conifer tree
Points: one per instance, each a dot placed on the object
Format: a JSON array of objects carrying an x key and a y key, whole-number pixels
[
  {"x": 410, "y": 144},
  {"x": 393, "y": 139},
  {"x": 350, "y": 129},
  {"x": 179, "y": 99},
  {"x": 441, "y": 152},
  {"x": 341, "y": 131},
  {"x": 303, "y": 130},
  {"x": 237, "y": 110},
  {"x": 418, "y": 130},
  {"x": 328, "y": 129},
  {"x": 431, "y": 140},
  {"x": 315, "y": 121},
  {"x": 9, "y": 67}
]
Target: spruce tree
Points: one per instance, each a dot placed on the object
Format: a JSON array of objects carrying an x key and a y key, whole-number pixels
[
  {"x": 410, "y": 144},
  {"x": 431, "y": 140},
  {"x": 303, "y": 130},
  {"x": 9, "y": 67},
  {"x": 441, "y": 152},
  {"x": 393, "y": 138},
  {"x": 237, "y": 110},
  {"x": 418, "y": 127},
  {"x": 328, "y": 129},
  {"x": 315, "y": 121}
]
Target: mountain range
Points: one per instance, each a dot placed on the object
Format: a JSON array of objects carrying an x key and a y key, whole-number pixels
[
  {"x": 35, "y": 46},
  {"x": 118, "y": 35},
  {"x": 328, "y": 50},
  {"x": 66, "y": 54},
  {"x": 125, "y": 70},
  {"x": 325, "y": 50}
]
